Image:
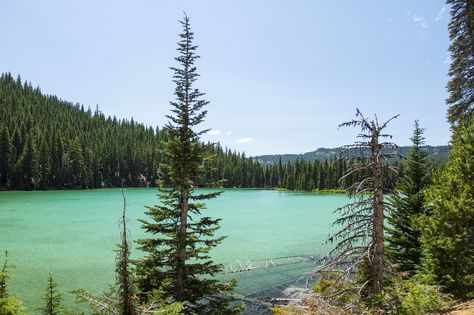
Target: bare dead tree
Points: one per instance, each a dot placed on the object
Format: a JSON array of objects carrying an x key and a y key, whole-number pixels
[{"x": 360, "y": 241}]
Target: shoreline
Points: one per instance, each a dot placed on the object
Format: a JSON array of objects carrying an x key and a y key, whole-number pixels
[{"x": 314, "y": 191}]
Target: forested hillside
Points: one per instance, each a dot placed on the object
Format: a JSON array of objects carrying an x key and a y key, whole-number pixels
[
  {"x": 436, "y": 153},
  {"x": 46, "y": 143}
]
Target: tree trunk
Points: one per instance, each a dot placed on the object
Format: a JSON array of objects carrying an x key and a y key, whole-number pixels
[
  {"x": 127, "y": 299},
  {"x": 181, "y": 267},
  {"x": 378, "y": 237}
]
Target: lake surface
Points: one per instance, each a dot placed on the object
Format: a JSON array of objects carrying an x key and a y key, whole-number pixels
[{"x": 72, "y": 235}]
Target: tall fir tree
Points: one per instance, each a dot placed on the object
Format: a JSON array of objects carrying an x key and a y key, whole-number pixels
[
  {"x": 448, "y": 233},
  {"x": 461, "y": 84},
  {"x": 403, "y": 236},
  {"x": 177, "y": 257}
]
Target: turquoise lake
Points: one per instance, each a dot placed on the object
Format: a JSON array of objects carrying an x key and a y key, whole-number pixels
[{"x": 72, "y": 235}]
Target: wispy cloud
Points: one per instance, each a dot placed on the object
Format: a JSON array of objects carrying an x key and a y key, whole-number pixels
[
  {"x": 214, "y": 132},
  {"x": 243, "y": 140},
  {"x": 420, "y": 20},
  {"x": 447, "y": 61},
  {"x": 441, "y": 13},
  {"x": 229, "y": 133}
]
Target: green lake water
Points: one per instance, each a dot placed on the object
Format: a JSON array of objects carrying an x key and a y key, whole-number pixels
[{"x": 72, "y": 235}]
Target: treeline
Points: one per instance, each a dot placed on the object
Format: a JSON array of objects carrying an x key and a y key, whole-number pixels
[
  {"x": 438, "y": 154},
  {"x": 238, "y": 171},
  {"x": 46, "y": 143}
]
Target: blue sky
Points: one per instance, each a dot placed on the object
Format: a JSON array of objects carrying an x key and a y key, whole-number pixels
[{"x": 280, "y": 75}]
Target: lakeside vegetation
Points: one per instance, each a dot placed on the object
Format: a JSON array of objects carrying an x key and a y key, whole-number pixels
[
  {"x": 420, "y": 262},
  {"x": 316, "y": 191}
]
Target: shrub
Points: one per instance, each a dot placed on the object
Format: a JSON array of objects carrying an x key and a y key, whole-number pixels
[
  {"x": 413, "y": 298},
  {"x": 11, "y": 306}
]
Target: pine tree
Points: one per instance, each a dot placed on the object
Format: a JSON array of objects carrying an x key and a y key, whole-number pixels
[
  {"x": 52, "y": 299},
  {"x": 461, "y": 84},
  {"x": 4, "y": 276},
  {"x": 125, "y": 289},
  {"x": 8, "y": 305},
  {"x": 6, "y": 150},
  {"x": 403, "y": 238},
  {"x": 28, "y": 164},
  {"x": 121, "y": 299},
  {"x": 177, "y": 257},
  {"x": 448, "y": 232}
]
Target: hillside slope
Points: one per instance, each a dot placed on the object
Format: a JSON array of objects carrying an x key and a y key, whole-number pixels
[{"x": 438, "y": 153}]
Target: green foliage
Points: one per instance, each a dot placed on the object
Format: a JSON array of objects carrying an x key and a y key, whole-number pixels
[
  {"x": 331, "y": 284},
  {"x": 8, "y": 305},
  {"x": 290, "y": 310},
  {"x": 11, "y": 306},
  {"x": 400, "y": 296},
  {"x": 108, "y": 303},
  {"x": 49, "y": 143},
  {"x": 404, "y": 248},
  {"x": 448, "y": 233},
  {"x": 123, "y": 275},
  {"x": 412, "y": 298},
  {"x": 52, "y": 299},
  {"x": 461, "y": 83},
  {"x": 4, "y": 276},
  {"x": 6, "y": 159},
  {"x": 328, "y": 191}
]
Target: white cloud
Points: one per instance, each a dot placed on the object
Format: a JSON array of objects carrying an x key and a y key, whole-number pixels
[
  {"x": 243, "y": 140},
  {"x": 441, "y": 13},
  {"x": 229, "y": 133},
  {"x": 447, "y": 61},
  {"x": 420, "y": 20},
  {"x": 214, "y": 132}
]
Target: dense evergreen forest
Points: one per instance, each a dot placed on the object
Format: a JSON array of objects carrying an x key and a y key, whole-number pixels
[
  {"x": 49, "y": 143},
  {"x": 46, "y": 143}
]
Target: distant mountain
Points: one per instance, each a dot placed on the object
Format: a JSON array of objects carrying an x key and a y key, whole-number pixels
[{"x": 437, "y": 153}]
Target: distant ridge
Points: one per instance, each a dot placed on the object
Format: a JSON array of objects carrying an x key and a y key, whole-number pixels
[{"x": 438, "y": 153}]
